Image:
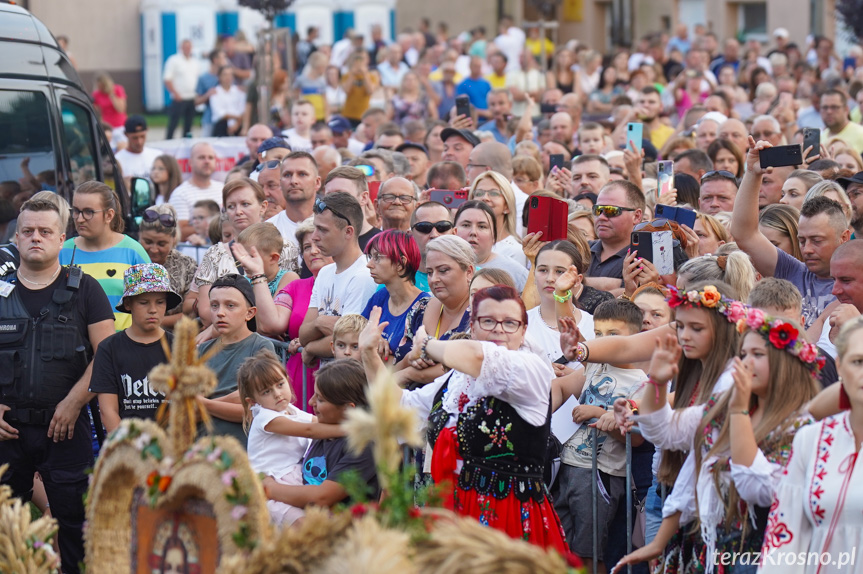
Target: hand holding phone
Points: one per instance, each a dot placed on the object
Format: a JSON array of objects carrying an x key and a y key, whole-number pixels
[
  {"x": 811, "y": 139},
  {"x": 781, "y": 156},
  {"x": 462, "y": 106},
  {"x": 555, "y": 160},
  {"x": 634, "y": 136}
]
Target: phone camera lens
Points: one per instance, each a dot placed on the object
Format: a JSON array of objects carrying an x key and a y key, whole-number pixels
[{"x": 534, "y": 203}]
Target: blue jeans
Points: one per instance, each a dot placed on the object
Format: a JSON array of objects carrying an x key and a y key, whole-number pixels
[{"x": 652, "y": 513}]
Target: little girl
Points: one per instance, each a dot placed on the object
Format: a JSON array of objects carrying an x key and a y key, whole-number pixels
[{"x": 279, "y": 432}]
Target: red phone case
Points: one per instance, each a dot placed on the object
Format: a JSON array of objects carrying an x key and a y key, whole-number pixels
[
  {"x": 374, "y": 187},
  {"x": 548, "y": 215}
]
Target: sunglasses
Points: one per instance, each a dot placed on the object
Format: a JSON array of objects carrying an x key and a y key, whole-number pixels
[
  {"x": 609, "y": 210},
  {"x": 166, "y": 219},
  {"x": 272, "y": 164},
  {"x": 425, "y": 227},
  {"x": 367, "y": 170},
  {"x": 321, "y": 206},
  {"x": 657, "y": 223},
  {"x": 719, "y": 173}
]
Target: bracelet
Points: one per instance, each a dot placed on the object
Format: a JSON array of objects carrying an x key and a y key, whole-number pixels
[
  {"x": 258, "y": 276},
  {"x": 633, "y": 406},
  {"x": 566, "y": 297},
  {"x": 656, "y": 384},
  {"x": 740, "y": 413},
  {"x": 625, "y": 297},
  {"x": 423, "y": 354},
  {"x": 259, "y": 281},
  {"x": 582, "y": 353}
]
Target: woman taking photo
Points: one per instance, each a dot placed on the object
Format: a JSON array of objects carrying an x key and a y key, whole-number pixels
[
  {"x": 495, "y": 191},
  {"x": 159, "y": 235},
  {"x": 475, "y": 222},
  {"x": 488, "y": 419},
  {"x": 816, "y": 508},
  {"x": 450, "y": 265},
  {"x": 100, "y": 248},
  {"x": 166, "y": 176},
  {"x": 245, "y": 204},
  {"x": 394, "y": 259}
]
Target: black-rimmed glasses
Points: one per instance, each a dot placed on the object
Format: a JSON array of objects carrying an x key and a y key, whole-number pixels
[{"x": 509, "y": 326}]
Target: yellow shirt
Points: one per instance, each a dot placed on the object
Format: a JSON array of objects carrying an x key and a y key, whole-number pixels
[
  {"x": 852, "y": 135},
  {"x": 660, "y": 135},
  {"x": 535, "y": 47},
  {"x": 497, "y": 82}
]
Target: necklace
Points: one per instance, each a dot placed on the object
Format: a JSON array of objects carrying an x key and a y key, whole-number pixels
[
  {"x": 51, "y": 280},
  {"x": 546, "y": 322}
]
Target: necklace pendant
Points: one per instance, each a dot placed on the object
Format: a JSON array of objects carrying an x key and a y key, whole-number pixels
[{"x": 463, "y": 400}]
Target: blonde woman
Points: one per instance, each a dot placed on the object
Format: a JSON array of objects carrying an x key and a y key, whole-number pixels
[
  {"x": 830, "y": 190},
  {"x": 711, "y": 234},
  {"x": 495, "y": 191}
]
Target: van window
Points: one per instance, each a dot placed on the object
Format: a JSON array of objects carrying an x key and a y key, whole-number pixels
[
  {"x": 26, "y": 154},
  {"x": 78, "y": 141}
]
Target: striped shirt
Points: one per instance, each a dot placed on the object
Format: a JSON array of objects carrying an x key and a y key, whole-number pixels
[{"x": 107, "y": 267}]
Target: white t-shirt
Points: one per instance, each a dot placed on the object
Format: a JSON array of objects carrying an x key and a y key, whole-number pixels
[
  {"x": 272, "y": 453},
  {"x": 137, "y": 164},
  {"x": 296, "y": 141},
  {"x": 286, "y": 227},
  {"x": 355, "y": 146},
  {"x": 343, "y": 293},
  {"x": 824, "y": 341},
  {"x": 549, "y": 339},
  {"x": 188, "y": 194},
  {"x": 511, "y": 249},
  {"x": 183, "y": 74}
]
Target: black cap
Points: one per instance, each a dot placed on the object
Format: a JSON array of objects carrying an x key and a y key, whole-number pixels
[
  {"x": 846, "y": 181},
  {"x": 135, "y": 124},
  {"x": 242, "y": 285},
  {"x": 413, "y": 145},
  {"x": 466, "y": 135}
]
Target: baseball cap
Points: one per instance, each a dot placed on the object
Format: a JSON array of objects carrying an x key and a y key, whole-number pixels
[
  {"x": 135, "y": 124},
  {"x": 466, "y": 135},
  {"x": 781, "y": 33},
  {"x": 339, "y": 124},
  {"x": 147, "y": 278},
  {"x": 413, "y": 145},
  {"x": 846, "y": 181},
  {"x": 272, "y": 143}
]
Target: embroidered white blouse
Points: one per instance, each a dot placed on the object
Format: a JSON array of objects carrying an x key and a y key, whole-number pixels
[{"x": 818, "y": 506}]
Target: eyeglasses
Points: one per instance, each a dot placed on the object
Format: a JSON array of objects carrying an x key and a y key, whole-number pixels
[
  {"x": 763, "y": 135},
  {"x": 272, "y": 164},
  {"x": 492, "y": 193},
  {"x": 166, "y": 219},
  {"x": 86, "y": 213},
  {"x": 425, "y": 227},
  {"x": 367, "y": 170},
  {"x": 719, "y": 173},
  {"x": 321, "y": 206},
  {"x": 390, "y": 198},
  {"x": 509, "y": 326},
  {"x": 609, "y": 210},
  {"x": 377, "y": 257}
]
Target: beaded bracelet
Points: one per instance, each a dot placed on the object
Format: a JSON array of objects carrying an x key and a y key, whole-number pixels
[
  {"x": 423, "y": 354},
  {"x": 260, "y": 281},
  {"x": 582, "y": 352},
  {"x": 258, "y": 276}
]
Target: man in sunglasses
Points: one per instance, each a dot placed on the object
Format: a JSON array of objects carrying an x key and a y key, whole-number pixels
[
  {"x": 718, "y": 191},
  {"x": 430, "y": 220},
  {"x": 619, "y": 207},
  {"x": 352, "y": 181}
]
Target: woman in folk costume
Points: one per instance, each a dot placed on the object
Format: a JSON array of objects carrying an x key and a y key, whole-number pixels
[
  {"x": 487, "y": 418},
  {"x": 817, "y": 506},
  {"x": 739, "y": 440}
]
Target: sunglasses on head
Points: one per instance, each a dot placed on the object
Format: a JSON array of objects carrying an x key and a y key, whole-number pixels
[
  {"x": 425, "y": 227},
  {"x": 321, "y": 206},
  {"x": 719, "y": 173},
  {"x": 657, "y": 224},
  {"x": 609, "y": 210},
  {"x": 367, "y": 170},
  {"x": 166, "y": 219},
  {"x": 272, "y": 164}
]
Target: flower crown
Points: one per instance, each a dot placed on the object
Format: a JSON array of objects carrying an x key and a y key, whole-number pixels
[{"x": 781, "y": 334}]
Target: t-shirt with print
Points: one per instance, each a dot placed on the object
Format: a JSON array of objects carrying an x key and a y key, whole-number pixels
[
  {"x": 603, "y": 385},
  {"x": 343, "y": 293},
  {"x": 816, "y": 291},
  {"x": 121, "y": 368},
  {"x": 272, "y": 453},
  {"x": 225, "y": 364},
  {"x": 329, "y": 459}
]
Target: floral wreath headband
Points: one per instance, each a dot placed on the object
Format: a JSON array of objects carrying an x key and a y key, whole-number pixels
[{"x": 781, "y": 334}]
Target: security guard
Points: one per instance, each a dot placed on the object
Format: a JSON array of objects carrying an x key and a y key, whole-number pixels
[{"x": 52, "y": 318}]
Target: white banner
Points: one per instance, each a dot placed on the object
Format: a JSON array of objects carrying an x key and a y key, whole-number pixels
[{"x": 228, "y": 151}]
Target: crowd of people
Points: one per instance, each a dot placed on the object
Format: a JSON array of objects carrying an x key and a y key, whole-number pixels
[{"x": 373, "y": 227}]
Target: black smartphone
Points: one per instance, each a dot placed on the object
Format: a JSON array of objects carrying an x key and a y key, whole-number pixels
[
  {"x": 462, "y": 106},
  {"x": 555, "y": 160},
  {"x": 812, "y": 138},
  {"x": 547, "y": 108},
  {"x": 781, "y": 155}
]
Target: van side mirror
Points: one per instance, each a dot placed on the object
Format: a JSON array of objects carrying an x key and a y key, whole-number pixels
[{"x": 143, "y": 194}]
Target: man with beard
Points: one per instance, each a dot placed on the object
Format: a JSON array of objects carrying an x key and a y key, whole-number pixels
[
  {"x": 198, "y": 187},
  {"x": 647, "y": 110},
  {"x": 834, "y": 112},
  {"x": 300, "y": 181}
]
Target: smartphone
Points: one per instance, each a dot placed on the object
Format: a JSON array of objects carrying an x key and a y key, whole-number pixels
[
  {"x": 812, "y": 138},
  {"x": 547, "y": 214},
  {"x": 655, "y": 246},
  {"x": 634, "y": 134},
  {"x": 452, "y": 198},
  {"x": 374, "y": 187},
  {"x": 555, "y": 160},
  {"x": 849, "y": 62},
  {"x": 547, "y": 108},
  {"x": 781, "y": 155},
  {"x": 462, "y": 106},
  {"x": 680, "y": 215},
  {"x": 665, "y": 177}
]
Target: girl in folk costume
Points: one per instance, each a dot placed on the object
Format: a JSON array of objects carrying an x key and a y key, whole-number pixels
[
  {"x": 488, "y": 418},
  {"x": 739, "y": 438},
  {"x": 816, "y": 509}
]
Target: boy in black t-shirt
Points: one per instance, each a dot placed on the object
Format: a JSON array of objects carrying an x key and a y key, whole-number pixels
[{"x": 124, "y": 360}]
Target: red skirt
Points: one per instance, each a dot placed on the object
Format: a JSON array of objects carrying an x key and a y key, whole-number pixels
[{"x": 531, "y": 521}]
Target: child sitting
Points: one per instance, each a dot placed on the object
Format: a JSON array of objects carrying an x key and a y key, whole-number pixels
[
  {"x": 279, "y": 432},
  {"x": 602, "y": 384},
  {"x": 124, "y": 359},
  {"x": 346, "y": 336},
  {"x": 258, "y": 249}
]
